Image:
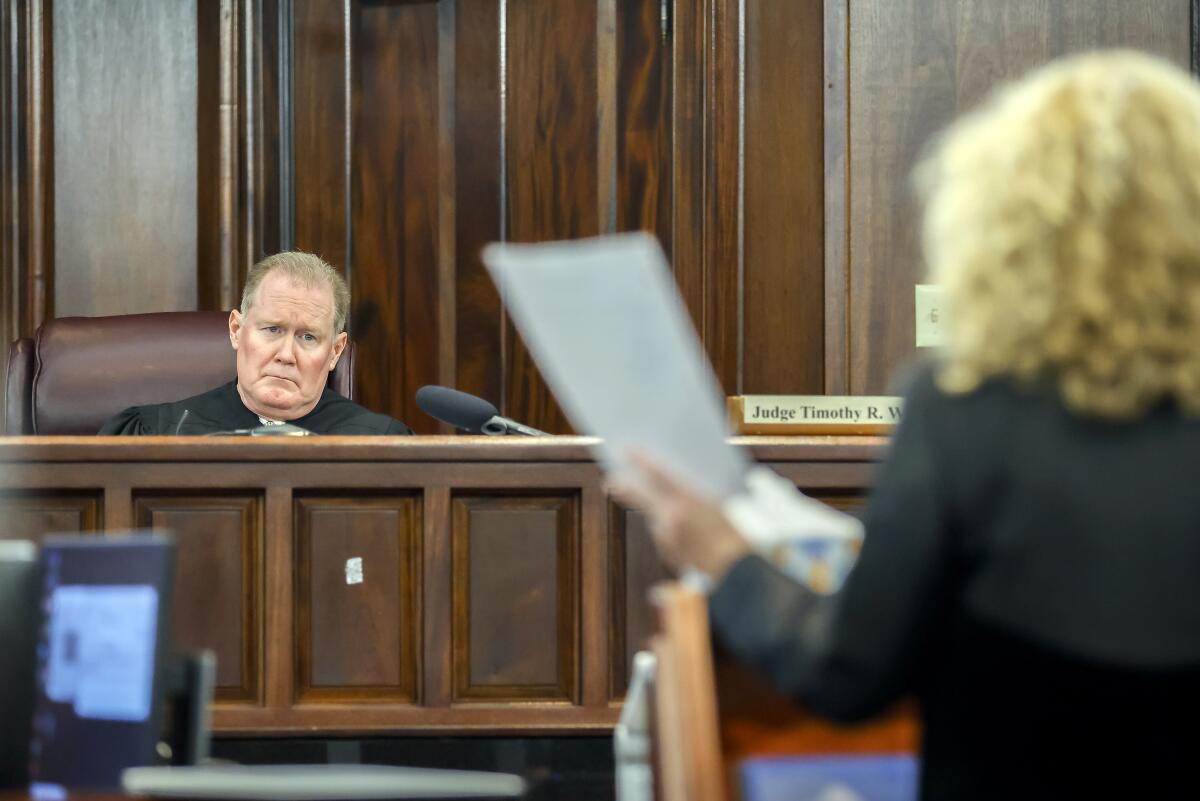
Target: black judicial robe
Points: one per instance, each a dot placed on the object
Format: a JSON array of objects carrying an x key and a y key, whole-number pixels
[{"x": 221, "y": 409}]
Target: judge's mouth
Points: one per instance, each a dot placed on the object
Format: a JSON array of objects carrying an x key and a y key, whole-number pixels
[{"x": 282, "y": 378}]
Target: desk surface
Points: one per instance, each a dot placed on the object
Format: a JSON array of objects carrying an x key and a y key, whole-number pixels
[{"x": 401, "y": 585}]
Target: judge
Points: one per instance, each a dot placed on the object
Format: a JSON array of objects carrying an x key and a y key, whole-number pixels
[{"x": 288, "y": 335}]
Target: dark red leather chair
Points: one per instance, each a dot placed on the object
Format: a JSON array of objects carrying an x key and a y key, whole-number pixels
[{"x": 76, "y": 372}]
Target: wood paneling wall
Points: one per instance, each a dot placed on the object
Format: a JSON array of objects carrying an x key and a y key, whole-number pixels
[
  {"x": 767, "y": 144},
  {"x": 906, "y": 69}
]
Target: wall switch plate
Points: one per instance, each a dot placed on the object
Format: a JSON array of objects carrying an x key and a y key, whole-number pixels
[{"x": 930, "y": 306}]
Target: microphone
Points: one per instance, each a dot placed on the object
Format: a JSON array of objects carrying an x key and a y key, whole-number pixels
[{"x": 469, "y": 413}]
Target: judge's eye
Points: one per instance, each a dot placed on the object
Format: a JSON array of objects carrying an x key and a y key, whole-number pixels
[
  {"x": 271, "y": 329},
  {"x": 310, "y": 338}
]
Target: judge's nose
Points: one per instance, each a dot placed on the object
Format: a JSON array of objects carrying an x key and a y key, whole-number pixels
[{"x": 287, "y": 351}]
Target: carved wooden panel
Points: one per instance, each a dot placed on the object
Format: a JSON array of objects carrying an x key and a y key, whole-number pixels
[
  {"x": 635, "y": 568},
  {"x": 218, "y": 579},
  {"x": 357, "y": 597},
  {"x": 32, "y": 515},
  {"x": 514, "y": 598}
]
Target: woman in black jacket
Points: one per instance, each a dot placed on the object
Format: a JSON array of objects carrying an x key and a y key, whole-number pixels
[{"x": 1031, "y": 563}]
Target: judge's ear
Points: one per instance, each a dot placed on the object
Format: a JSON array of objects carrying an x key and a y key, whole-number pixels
[
  {"x": 235, "y": 327},
  {"x": 339, "y": 345}
]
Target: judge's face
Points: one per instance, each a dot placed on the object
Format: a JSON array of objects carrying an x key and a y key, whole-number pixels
[{"x": 285, "y": 347}]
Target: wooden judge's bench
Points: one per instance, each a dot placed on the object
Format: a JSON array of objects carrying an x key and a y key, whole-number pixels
[{"x": 407, "y": 585}]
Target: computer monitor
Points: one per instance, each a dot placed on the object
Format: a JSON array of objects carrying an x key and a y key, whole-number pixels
[
  {"x": 19, "y": 621},
  {"x": 106, "y": 604}
]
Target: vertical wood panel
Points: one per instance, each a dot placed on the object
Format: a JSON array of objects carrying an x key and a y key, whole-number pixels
[
  {"x": 784, "y": 199},
  {"x": 594, "y": 585},
  {"x": 913, "y": 67},
  {"x": 271, "y": 70},
  {"x": 125, "y": 156},
  {"x": 643, "y": 121},
  {"x": 26, "y": 168},
  {"x": 477, "y": 150},
  {"x": 318, "y": 122},
  {"x": 516, "y": 613},
  {"x": 356, "y": 635},
  {"x": 279, "y": 602},
  {"x": 705, "y": 174},
  {"x": 688, "y": 46},
  {"x": 218, "y": 580},
  {"x": 436, "y": 604},
  {"x": 552, "y": 158},
  {"x": 395, "y": 205},
  {"x": 836, "y": 108},
  {"x": 722, "y": 195},
  {"x": 636, "y": 568}
]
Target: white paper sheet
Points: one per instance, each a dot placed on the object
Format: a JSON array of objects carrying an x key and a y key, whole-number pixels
[{"x": 605, "y": 323}]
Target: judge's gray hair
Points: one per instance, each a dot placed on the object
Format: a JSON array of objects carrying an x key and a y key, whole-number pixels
[{"x": 304, "y": 268}]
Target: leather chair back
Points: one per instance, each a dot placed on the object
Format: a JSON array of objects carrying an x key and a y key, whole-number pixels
[{"x": 76, "y": 372}]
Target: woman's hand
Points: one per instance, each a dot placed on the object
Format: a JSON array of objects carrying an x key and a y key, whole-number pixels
[{"x": 689, "y": 530}]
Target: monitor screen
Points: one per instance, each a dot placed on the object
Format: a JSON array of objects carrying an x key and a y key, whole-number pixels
[{"x": 105, "y": 603}]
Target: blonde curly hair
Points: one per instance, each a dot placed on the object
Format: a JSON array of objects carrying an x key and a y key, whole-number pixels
[{"x": 1063, "y": 220}]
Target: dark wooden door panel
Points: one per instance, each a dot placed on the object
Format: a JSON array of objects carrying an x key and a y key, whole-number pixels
[
  {"x": 357, "y": 598},
  {"x": 218, "y": 579},
  {"x": 32, "y": 515},
  {"x": 516, "y": 615}
]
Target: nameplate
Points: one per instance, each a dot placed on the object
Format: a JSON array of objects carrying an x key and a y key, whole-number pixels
[{"x": 813, "y": 414}]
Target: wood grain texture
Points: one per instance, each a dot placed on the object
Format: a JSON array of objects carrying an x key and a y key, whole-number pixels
[
  {"x": 783, "y": 279},
  {"x": 124, "y": 105},
  {"x": 643, "y": 121},
  {"x": 436, "y": 605},
  {"x": 722, "y": 195},
  {"x": 595, "y": 679},
  {"x": 395, "y": 206},
  {"x": 270, "y": 79},
  {"x": 218, "y": 580},
  {"x": 477, "y": 152},
  {"x": 279, "y": 607},
  {"x": 689, "y": 31},
  {"x": 516, "y": 616},
  {"x": 635, "y": 568},
  {"x": 209, "y": 139},
  {"x": 32, "y": 515},
  {"x": 552, "y": 159},
  {"x": 318, "y": 117},
  {"x": 913, "y": 67},
  {"x": 705, "y": 175},
  {"x": 836, "y": 108},
  {"x": 356, "y": 637},
  {"x": 26, "y": 168}
]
